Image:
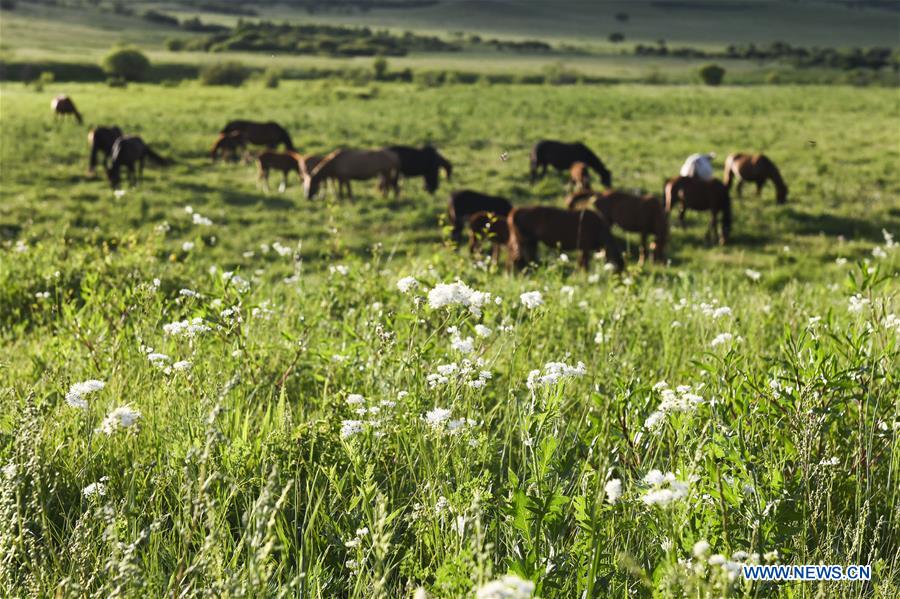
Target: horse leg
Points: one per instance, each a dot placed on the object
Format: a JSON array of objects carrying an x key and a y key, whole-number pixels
[
  {"x": 585, "y": 259},
  {"x": 740, "y": 188},
  {"x": 495, "y": 252},
  {"x": 283, "y": 186},
  {"x": 643, "y": 251},
  {"x": 759, "y": 186},
  {"x": 681, "y": 215},
  {"x": 713, "y": 228},
  {"x": 264, "y": 178}
]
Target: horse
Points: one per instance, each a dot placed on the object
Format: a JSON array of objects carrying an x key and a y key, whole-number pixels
[
  {"x": 63, "y": 105},
  {"x": 644, "y": 214},
  {"x": 699, "y": 194},
  {"x": 756, "y": 168},
  {"x": 488, "y": 225},
  {"x": 130, "y": 151},
  {"x": 579, "y": 177},
  {"x": 280, "y": 161},
  {"x": 585, "y": 230},
  {"x": 269, "y": 134},
  {"x": 698, "y": 165},
  {"x": 463, "y": 204},
  {"x": 424, "y": 162},
  {"x": 562, "y": 156},
  {"x": 101, "y": 140},
  {"x": 350, "y": 165},
  {"x": 230, "y": 143}
]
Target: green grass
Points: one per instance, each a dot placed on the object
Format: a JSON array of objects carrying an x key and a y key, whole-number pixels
[{"x": 236, "y": 478}]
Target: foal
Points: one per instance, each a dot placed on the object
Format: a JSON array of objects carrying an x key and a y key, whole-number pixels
[
  {"x": 579, "y": 178},
  {"x": 698, "y": 194},
  {"x": 464, "y": 203},
  {"x": 488, "y": 225},
  {"x": 279, "y": 161},
  {"x": 756, "y": 168},
  {"x": 228, "y": 144}
]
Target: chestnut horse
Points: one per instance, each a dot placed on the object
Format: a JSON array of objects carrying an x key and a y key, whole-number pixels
[
  {"x": 464, "y": 203},
  {"x": 756, "y": 168},
  {"x": 101, "y": 140},
  {"x": 63, "y": 105},
  {"x": 699, "y": 194},
  {"x": 269, "y": 134},
  {"x": 350, "y": 165},
  {"x": 228, "y": 143},
  {"x": 584, "y": 230},
  {"x": 130, "y": 152},
  {"x": 488, "y": 226},
  {"x": 644, "y": 214},
  {"x": 425, "y": 162},
  {"x": 579, "y": 178},
  {"x": 562, "y": 156}
]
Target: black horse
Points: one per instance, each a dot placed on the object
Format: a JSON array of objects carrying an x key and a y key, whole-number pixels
[
  {"x": 130, "y": 151},
  {"x": 269, "y": 134},
  {"x": 423, "y": 162},
  {"x": 562, "y": 156},
  {"x": 101, "y": 140},
  {"x": 465, "y": 203}
]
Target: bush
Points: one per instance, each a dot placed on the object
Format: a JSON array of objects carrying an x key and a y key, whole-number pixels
[
  {"x": 160, "y": 18},
  {"x": 380, "y": 66},
  {"x": 116, "y": 82},
  {"x": 616, "y": 37},
  {"x": 272, "y": 77},
  {"x": 712, "y": 74},
  {"x": 126, "y": 63},
  {"x": 224, "y": 73},
  {"x": 174, "y": 44}
]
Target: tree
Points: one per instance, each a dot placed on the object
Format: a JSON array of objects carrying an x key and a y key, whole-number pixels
[
  {"x": 712, "y": 74},
  {"x": 381, "y": 66},
  {"x": 616, "y": 37},
  {"x": 126, "y": 62}
]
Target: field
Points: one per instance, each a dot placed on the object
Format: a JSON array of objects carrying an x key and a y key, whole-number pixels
[{"x": 255, "y": 468}]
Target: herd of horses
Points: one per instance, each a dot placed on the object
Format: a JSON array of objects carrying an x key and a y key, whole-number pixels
[{"x": 584, "y": 224}]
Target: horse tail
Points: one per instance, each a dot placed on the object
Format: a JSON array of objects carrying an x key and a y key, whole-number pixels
[
  {"x": 727, "y": 175},
  {"x": 94, "y": 149},
  {"x": 154, "y": 157},
  {"x": 669, "y": 192},
  {"x": 726, "y": 214},
  {"x": 214, "y": 151},
  {"x": 661, "y": 221}
]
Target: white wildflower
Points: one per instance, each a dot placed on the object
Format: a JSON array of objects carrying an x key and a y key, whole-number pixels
[
  {"x": 701, "y": 548},
  {"x": 482, "y": 331},
  {"x": 98, "y": 489},
  {"x": 355, "y": 399},
  {"x": 121, "y": 417},
  {"x": 445, "y": 294},
  {"x": 857, "y": 304},
  {"x": 185, "y": 328},
  {"x": 350, "y": 428},
  {"x": 199, "y": 219},
  {"x": 437, "y": 417},
  {"x": 339, "y": 269},
  {"x": 878, "y": 252},
  {"x": 532, "y": 299},
  {"x": 508, "y": 587},
  {"x": 465, "y": 346},
  {"x": 187, "y": 246},
  {"x": 75, "y": 396},
  {"x": 753, "y": 275},
  {"x": 553, "y": 373},
  {"x": 613, "y": 490},
  {"x": 182, "y": 365},
  {"x": 721, "y": 339},
  {"x": 407, "y": 284}
]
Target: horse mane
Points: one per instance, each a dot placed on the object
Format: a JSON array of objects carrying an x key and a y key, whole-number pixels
[
  {"x": 774, "y": 173},
  {"x": 324, "y": 162}
]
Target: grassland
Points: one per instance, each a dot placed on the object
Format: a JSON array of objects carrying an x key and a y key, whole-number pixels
[{"x": 253, "y": 470}]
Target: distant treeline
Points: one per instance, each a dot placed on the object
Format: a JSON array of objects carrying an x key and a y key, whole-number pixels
[
  {"x": 194, "y": 24},
  {"x": 853, "y": 58},
  {"x": 334, "y": 40}
]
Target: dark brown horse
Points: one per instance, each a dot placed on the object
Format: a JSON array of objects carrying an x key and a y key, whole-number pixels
[
  {"x": 228, "y": 145},
  {"x": 101, "y": 140},
  {"x": 584, "y": 230},
  {"x": 562, "y": 156},
  {"x": 131, "y": 152},
  {"x": 699, "y": 194},
  {"x": 269, "y": 134},
  {"x": 644, "y": 214},
  {"x": 463, "y": 204},
  {"x": 286, "y": 162},
  {"x": 491, "y": 227},
  {"x": 756, "y": 168},
  {"x": 63, "y": 105},
  {"x": 425, "y": 162}
]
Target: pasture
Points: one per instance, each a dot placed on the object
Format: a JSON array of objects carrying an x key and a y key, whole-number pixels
[{"x": 312, "y": 423}]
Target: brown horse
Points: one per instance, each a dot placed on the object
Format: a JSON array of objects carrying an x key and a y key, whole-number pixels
[
  {"x": 279, "y": 161},
  {"x": 579, "y": 177},
  {"x": 269, "y": 134},
  {"x": 584, "y": 230},
  {"x": 699, "y": 194},
  {"x": 464, "y": 203},
  {"x": 228, "y": 144},
  {"x": 63, "y": 105},
  {"x": 352, "y": 165},
  {"x": 756, "y": 168},
  {"x": 644, "y": 214},
  {"x": 131, "y": 152},
  {"x": 101, "y": 140},
  {"x": 488, "y": 226}
]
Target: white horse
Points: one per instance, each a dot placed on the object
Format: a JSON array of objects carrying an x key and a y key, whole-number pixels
[{"x": 698, "y": 165}]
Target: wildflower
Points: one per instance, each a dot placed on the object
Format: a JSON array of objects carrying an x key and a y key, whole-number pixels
[
  {"x": 241, "y": 284},
  {"x": 350, "y": 428},
  {"x": 339, "y": 269},
  {"x": 834, "y": 461},
  {"x": 42, "y": 295},
  {"x": 158, "y": 359},
  {"x": 840, "y": 261},
  {"x": 771, "y": 556},
  {"x": 199, "y": 219},
  {"x": 532, "y": 299},
  {"x": 437, "y": 417},
  {"x": 75, "y": 396},
  {"x": 187, "y": 246},
  {"x": 482, "y": 331},
  {"x": 121, "y": 417},
  {"x": 450, "y": 294},
  {"x": 182, "y": 365},
  {"x": 888, "y": 239},
  {"x": 189, "y": 293},
  {"x": 613, "y": 490},
  {"x": 119, "y": 193},
  {"x": 857, "y": 304},
  {"x": 567, "y": 290},
  {"x": 407, "y": 284},
  {"x": 721, "y": 339},
  {"x": 654, "y": 420},
  {"x": 98, "y": 489},
  {"x": 701, "y": 548},
  {"x": 441, "y": 505},
  {"x": 753, "y": 275},
  {"x": 508, "y": 587},
  {"x": 185, "y": 328},
  {"x": 466, "y": 346},
  {"x": 664, "y": 488},
  {"x": 355, "y": 399},
  {"x": 21, "y": 247},
  {"x": 553, "y": 373},
  {"x": 280, "y": 249},
  {"x": 878, "y": 252}
]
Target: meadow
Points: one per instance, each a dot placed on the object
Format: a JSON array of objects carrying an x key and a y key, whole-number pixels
[{"x": 209, "y": 390}]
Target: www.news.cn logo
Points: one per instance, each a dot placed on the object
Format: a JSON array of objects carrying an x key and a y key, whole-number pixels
[{"x": 809, "y": 572}]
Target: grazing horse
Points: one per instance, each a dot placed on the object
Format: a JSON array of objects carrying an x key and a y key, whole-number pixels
[
  {"x": 63, "y": 105},
  {"x": 698, "y": 165},
  {"x": 269, "y": 134},
  {"x": 101, "y": 140},
  {"x": 463, "y": 204},
  {"x": 228, "y": 143},
  {"x": 130, "y": 151},
  {"x": 279, "y": 161},
  {"x": 584, "y": 230},
  {"x": 423, "y": 162},
  {"x": 352, "y": 165},
  {"x": 493, "y": 227},
  {"x": 699, "y": 194},
  {"x": 756, "y": 168},
  {"x": 579, "y": 178},
  {"x": 562, "y": 156},
  {"x": 644, "y": 214}
]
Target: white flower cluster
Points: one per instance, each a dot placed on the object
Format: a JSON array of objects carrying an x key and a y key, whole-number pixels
[
  {"x": 664, "y": 488},
  {"x": 680, "y": 399},
  {"x": 753, "y": 275},
  {"x": 185, "y": 328},
  {"x": 465, "y": 371},
  {"x": 613, "y": 490},
  {"x": 553, "y": 373},
  {"x": 241, "y": 284},
  {"x": 532, "y": 299},
  {"x": 508, "y": 587},
  {"x": 375, "y": 412},
  {"x": 458, "y": 293},
  {"x": 121, "y": 417},
  {"x": 339, "y": 269},
  {"x": 439, "y": 419},
  {"x": 721, "y": 339},
  {"x": 97, "y": 489},
  {"x": 407, "y": 284},
  {"x": 77, "y": 392},
  {"x": 857, "y": 304},
  {"x": 710, "y": 309}
]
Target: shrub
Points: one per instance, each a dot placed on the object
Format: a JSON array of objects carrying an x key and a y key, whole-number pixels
[
  {"x": 174, "y": 44},
  {"x": 160, "y": 18},
  {"x": 224, "y": 73},
  {"x": 712, "y": 74},
  {"x": 272, "y": 77},
  {"x": 116, "y": 82},
  {"x": 616, "y": 37},
  {"x": 126, "y": 63},
  {"x": 380, "y": 66}
]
